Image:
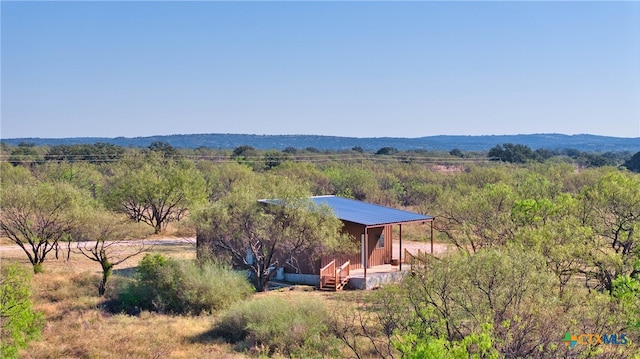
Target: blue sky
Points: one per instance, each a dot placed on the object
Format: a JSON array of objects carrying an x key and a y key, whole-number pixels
[{"x": 363, "y": 69}]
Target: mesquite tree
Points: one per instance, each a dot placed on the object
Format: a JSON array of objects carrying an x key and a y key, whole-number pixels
[
  {"x": 38, "y": 216},
  {"x": 154, "y": 190},
  {"x": 259, "y": 237},
  {"x": 108, "y": 239}
]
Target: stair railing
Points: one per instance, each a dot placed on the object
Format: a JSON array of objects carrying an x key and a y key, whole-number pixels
[
  {"x": 342, "y": 273},
  {"x": 327, "y": 272}
]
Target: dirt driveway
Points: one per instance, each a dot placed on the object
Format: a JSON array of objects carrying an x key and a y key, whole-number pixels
[{"x": 424, "y": 247}]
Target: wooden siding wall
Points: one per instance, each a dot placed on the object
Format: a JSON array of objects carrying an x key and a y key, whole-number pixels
[
  {"x": 379, "y": 256},
  {"x": 355, "y": 231},
  {"x": 376, "y": 256}
]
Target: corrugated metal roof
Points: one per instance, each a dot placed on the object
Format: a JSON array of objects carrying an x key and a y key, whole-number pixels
[
  {"x": 364, "y": 213},
  {"x": 367, "y": 214}
]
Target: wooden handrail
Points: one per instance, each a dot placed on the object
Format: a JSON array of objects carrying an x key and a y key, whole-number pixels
[
  {"x": 323, "y": 269},
  {"x": 345, "y": 267},
  {"x": 339, "y": 274},
  {"x": 326, "y": 272},
  {"x": 411, "y": 257},
  {"x": 415, "y": 259}
]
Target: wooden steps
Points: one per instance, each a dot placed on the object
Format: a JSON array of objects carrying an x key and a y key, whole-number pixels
[
  {"x": 332, "y": 278},
  {"x": 330, "y": 284}
]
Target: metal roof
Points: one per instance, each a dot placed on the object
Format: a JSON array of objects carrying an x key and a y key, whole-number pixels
[{"x": 364, "y": 213}]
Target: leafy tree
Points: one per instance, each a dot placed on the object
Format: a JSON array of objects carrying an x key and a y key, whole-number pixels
[
  {"x": 163, "y": 148},
  {"x": 106, "y": 238},
  {"x": 614, "y": 213},
  {"x": 499, "y": 302},
  {"x": 509, "y": 152},
  {"x": 203, "y": 152},
  {"x": 392, "y": 190},
  {"x": 255, "y": 236},
  {"x": 220, "y": 178},
  {"x": 478, "y": 345},
  {"x": 421, "y": 194},
  {"x": 25, "y": 153},
  {"x": 544, "y": 154},
  {"x": 82, "y": 175},
  {"x": 155, "y": 192},
  {"x": 95, "y": 153},
  {"x": 14, "y": 175},
  {"x": 246, "y": 155},
  {"x": 571, "y": 152},
  {"x": 476, "y": 218},
  {"x": 552, "y": 229},
  {"x": 275, "y": 158},
  {"x": 37, "y": 217},
  {"x": 535, "y": 185},
  {"x": 387, "y": 151},
  {"x": 305, "y": 173},
  {"x": 349, "y": 181},
  {"x": 476, "y": 176},
  {"x": 627, "y": 289},
  {"x": 244, "y": 152},
  {"x": 456, "y": 152},
  {"x": 587, "y": 159},
  {"x": 20, "y": 322},
  {"x": 633, "y": 164}
]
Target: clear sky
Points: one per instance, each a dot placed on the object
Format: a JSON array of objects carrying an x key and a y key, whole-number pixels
[{"x": 363, "y": 69}]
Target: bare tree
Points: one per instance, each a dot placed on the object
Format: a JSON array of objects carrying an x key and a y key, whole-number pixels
[{"x": 107, "y": 239}]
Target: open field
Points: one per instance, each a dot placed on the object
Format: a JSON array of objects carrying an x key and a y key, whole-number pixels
[{"x": 77, "y": 327}]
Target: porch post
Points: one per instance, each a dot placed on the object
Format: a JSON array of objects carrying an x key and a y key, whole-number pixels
[
  {"x": 366, "y": 253},
  {"x": 400, "y": 251},
  {"x": 362, "y": 253},
  {"x": 432, "y": 237}
]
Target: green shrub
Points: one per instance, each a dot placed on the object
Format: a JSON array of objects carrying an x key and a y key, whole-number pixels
[
  {"x": 19, "y": 322},
  {"x": 182, "y": 287},
  {"x": 273, "y": 325}
]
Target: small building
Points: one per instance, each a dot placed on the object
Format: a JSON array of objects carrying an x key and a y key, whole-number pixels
[{"x": 372, "y": 226}]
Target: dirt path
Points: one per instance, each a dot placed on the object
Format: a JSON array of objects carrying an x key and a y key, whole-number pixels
[
  {"x": 414, "y": 247},
  {"x": 147, "y": 242}
]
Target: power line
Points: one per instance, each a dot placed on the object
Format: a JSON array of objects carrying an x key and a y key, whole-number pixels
[{"x": 249, "y": 159}]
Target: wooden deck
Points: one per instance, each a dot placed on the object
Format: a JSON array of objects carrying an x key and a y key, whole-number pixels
[
  {"x": 385, "y": 268},
  {"x": 335, "y": 278}
]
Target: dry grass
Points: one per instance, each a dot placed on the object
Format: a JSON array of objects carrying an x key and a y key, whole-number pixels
[
  {"x": 5, "y": 241},
  {"x": 77, "y": 328}
]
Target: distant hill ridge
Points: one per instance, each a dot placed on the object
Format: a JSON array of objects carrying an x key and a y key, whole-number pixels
[{"x": 583, "y": 142}]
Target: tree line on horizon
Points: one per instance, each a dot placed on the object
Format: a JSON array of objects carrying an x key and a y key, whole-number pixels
[
  {"x": 541, "y": 247},
  {"x": 508, "y": 152}
]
